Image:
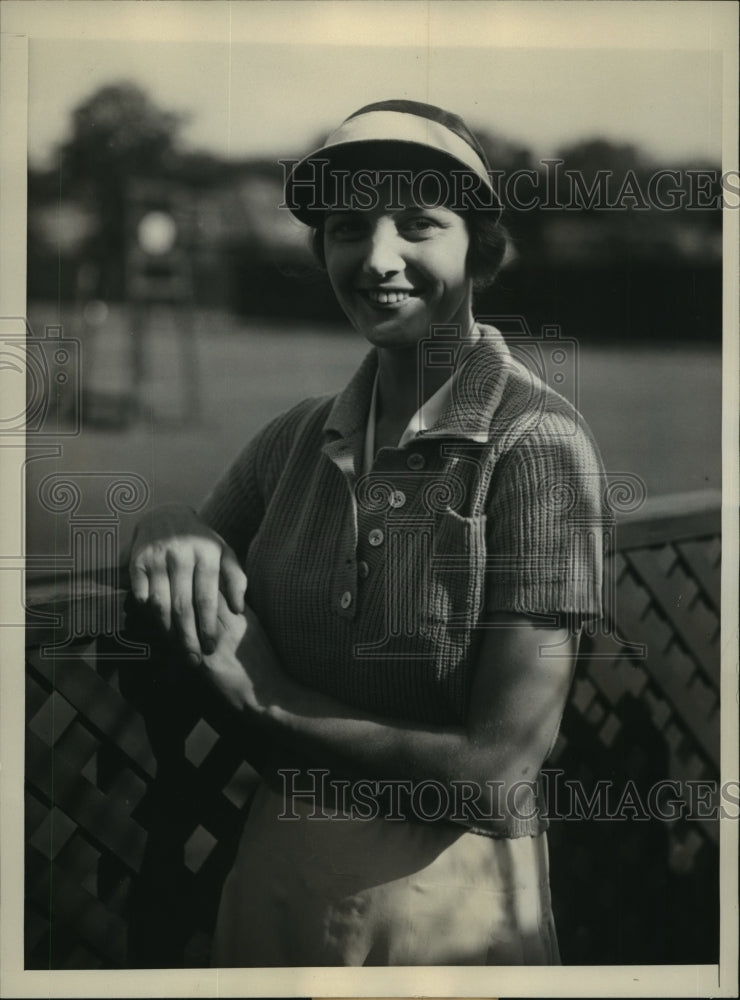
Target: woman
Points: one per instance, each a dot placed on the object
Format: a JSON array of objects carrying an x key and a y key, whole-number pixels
[{"x": 421, "y": 551}]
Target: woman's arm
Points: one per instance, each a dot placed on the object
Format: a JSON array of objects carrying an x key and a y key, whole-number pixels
[
  {"x": 178, "y": 559},
  {"x": 520, "y": 686}
]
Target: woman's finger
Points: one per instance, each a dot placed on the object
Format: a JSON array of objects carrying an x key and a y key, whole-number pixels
[
  {"x": 160, "y": 597},
  {"x": 183, "y": 615},
  {"x": 205, "y": 596},
  {"x": 139, "y": 580},
  {"x": 233, "y": 580}
]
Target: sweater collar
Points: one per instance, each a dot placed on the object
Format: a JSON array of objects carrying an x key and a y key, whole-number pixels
[
  {"x": 476, "y": 390},
  {"x": 349, "y": 411}
]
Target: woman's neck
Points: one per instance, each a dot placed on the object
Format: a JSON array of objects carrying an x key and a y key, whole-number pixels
[
  {"x": 405, "y": 383},
  {"x": 400, "y": 393}
]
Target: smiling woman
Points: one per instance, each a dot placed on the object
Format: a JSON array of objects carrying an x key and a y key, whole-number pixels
[
  {"x": 396, "y": 274},
  {"x": 422, "y": 551}
]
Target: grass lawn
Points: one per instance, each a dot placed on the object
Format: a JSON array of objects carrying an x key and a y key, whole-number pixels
[{"x": 656, "y": 412}]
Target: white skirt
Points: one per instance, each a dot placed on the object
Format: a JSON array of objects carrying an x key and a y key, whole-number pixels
[{"x": 351, "y": 892}]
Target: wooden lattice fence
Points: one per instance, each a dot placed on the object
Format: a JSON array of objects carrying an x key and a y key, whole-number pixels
[
  {"x": 134, "y": 801},
  {"x": 642, "y": 713}
]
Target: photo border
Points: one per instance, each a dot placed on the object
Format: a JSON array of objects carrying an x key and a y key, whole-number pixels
[{"x": 19, "y": 22}]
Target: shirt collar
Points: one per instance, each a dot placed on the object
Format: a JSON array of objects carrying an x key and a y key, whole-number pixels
[
  {"x": 425, "y": 417},
  {"x": 476, "y": 389},
  {"x": 464, "y": 407}
]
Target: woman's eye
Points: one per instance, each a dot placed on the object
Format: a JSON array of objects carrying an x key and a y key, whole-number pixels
[
  {"x": 346, "y": 229},
  {"x": 420, "y": 225}
]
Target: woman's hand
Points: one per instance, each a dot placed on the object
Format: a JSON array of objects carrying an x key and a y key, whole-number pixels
[
  {"x": 178, "y": 566},
  {"x": 243, "y": 666}
]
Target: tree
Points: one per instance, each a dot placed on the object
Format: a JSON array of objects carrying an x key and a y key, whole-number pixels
[
  {"x": 117, "y": 131},
  {"x": 117, "y": 134}
]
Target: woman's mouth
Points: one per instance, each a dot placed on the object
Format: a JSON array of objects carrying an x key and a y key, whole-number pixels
[{"x": 386, "y": 297}]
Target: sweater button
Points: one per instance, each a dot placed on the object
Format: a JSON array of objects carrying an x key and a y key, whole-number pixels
[
  {"x": 375, "y": 537},
  {"x": 345, "y": 600},
  {"x": 363, "y": 570},
  {"x": 397, "y": 498},
  {"x": 416, "y": 461}
]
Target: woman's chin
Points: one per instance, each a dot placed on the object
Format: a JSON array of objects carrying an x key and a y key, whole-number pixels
[
  {"x": 391, "y": 331},
  {"x": 399, "y": 339}
]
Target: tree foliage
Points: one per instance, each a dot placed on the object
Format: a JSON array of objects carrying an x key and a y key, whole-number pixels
[
  {"x": 118, "y": 131},
  {"x": 118, "y": 134}
]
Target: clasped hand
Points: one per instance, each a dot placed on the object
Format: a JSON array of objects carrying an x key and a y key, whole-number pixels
[
  {"x": 192, "y": 582},
  {"x": 243, "y": 666},
  {"x": 177, "y": 567}
]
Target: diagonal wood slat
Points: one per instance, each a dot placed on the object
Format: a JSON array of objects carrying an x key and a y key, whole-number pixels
[
  {"x": 102, "y": 818},
  {"x": 696, "y": 555},
  {"x": 670, "y": 595},
  {"x": 99, "y": 703},
  {"x": 64, "y": 902}
]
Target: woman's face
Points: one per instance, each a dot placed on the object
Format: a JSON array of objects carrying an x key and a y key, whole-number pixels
[{"x": 398, "y": 271}]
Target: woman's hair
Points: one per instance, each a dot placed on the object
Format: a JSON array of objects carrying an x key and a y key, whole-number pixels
[{"x": 488, "y": 244}]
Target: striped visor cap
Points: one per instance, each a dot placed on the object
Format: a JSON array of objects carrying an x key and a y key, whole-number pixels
[{"x": 366, "y": 158}]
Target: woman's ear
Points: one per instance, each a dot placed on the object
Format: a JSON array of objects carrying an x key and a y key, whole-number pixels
[
  {"x": 471, "y": 266},
  {"x": 317, "y": 245}
]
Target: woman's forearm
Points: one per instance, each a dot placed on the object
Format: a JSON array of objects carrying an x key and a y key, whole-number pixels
[
  {"x": 516, "y": 700},
  {"x": 310, "y": 726},
  {"x": 324, "y": 743},
  {"x": 362, "y": 744}
]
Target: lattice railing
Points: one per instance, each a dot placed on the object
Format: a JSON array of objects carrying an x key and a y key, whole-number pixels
[
  {"x": 636, "y": 890},
  {"x": 131, "y": 826},
  {"x": 111, "y": 831}
]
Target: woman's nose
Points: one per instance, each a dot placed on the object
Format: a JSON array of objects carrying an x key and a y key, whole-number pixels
[{"x": 383, "y": 251}]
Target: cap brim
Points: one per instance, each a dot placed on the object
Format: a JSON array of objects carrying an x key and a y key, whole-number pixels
[{"x": 319, "y": 183}]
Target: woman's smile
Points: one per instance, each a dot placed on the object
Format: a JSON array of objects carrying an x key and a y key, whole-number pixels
[
  {"x": 387, "y": 296},
  {"x": 397, "y": 272}
]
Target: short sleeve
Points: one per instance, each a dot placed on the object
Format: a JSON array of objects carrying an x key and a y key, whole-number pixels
[
  {"x": 546, "y": 523},
  {"x": 236, "y": 505}
]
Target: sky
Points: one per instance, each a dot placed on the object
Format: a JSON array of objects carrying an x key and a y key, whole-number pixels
[{"x": 259, "y": 79}]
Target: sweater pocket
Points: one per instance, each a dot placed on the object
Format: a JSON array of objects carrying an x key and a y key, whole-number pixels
[
  {"x": 458, "y": 562},
  {"x": 456, "y": 586}
]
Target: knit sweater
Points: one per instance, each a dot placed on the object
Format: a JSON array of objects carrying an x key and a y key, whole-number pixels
[{"x": 375, "y": 589}]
